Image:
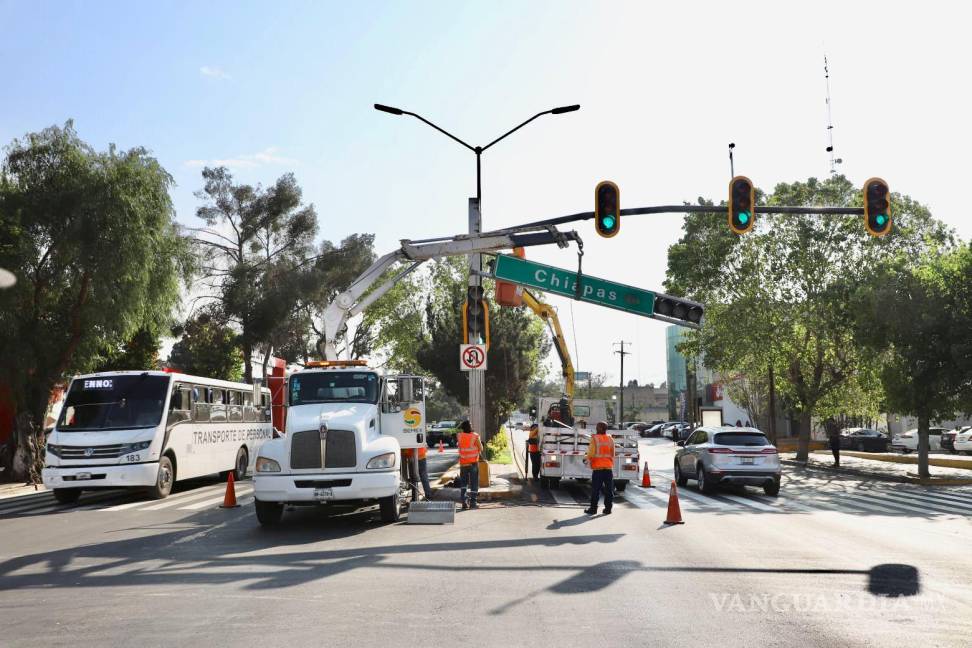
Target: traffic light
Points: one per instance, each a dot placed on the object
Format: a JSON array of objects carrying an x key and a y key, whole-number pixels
[
  {"x": 877, "y": 207},
  {"x": 742, "y": 204},
  {"x": 475, "y": 317},
  {"x": 678, "y": 310},
  {"x": 607, "y": 208}
]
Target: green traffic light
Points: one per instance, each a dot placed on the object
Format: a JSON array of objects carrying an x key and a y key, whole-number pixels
[
  {"x": 608, "y": 222},
  {"x": 881, "y": 220},
  {"x": 743, "y": 217}
]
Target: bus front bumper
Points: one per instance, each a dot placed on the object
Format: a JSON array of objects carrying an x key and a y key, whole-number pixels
[
  {"x": 325, "y": 487},
  {"x": 142, "y": 474}
]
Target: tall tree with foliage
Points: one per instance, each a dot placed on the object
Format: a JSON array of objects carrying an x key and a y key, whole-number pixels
[
  {"x": 517, "y": 346},
  {"x": 781, "y": 294},
  {"x": 207, "y": 347},
  {"x": 916, "y": 319},
  {"x": 92, "y": 239},
  {"x": 141, "y": 351},
  {"x": 254, "y": 244}
]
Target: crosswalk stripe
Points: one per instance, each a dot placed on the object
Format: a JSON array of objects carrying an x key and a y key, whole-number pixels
[
  {"x": 750, "y": 503},
  {"x": 212, "y": 501},
  {"x": 927, "y": 504},
  {"x": 932, "y": 499},
  {"x": 883, "y": 504},
  {"x": 184, "y": 498}
]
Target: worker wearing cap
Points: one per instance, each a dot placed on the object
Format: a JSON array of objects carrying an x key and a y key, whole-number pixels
[
  {"x": 423, "y": 467},
  {"x": 533, "y": 449},
  {"x": 470, "y": 448},
  {"x": 600, "y": 456}
]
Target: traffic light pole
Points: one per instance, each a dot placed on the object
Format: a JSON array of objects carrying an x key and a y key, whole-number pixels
[{"x": 477, "y": 379}]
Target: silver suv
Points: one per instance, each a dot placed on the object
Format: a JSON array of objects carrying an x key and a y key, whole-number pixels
[{"x": 728, "y": 455}]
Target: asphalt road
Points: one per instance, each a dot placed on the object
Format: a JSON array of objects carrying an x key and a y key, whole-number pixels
[{"x": 831, "y": 562}]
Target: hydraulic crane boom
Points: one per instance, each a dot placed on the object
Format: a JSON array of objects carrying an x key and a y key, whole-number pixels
[{"x": 547, "y": 313}]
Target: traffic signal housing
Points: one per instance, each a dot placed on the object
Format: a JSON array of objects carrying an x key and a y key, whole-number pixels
[
  {"x": 877, "y": 207},
  {"x": 607, "y": 209},
  {"x": 678, "y": 310},
  {"x": 475, "y": 317},
  {"x": 742, "y": 205}
]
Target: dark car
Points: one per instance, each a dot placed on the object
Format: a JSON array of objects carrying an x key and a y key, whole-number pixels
[
  {"x": 444, "y": 431},
  {"x": 864, "y": 440},
  {"x": 948, "y": 438},
  {"x": 654, "y": 430}
]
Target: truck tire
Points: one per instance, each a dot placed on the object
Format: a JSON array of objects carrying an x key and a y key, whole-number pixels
[
  {"x": 268, "y": 513},
  {"x": 620, "y": 485},
  {"x": 390, "y": 509},
  {"x": 544, "y": 482},
  {"x": 67, "y": 495},
  {"x": 163, "y": 480}
]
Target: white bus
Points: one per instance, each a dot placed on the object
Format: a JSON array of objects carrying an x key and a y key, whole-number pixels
[{"x": 148, "y": 429}]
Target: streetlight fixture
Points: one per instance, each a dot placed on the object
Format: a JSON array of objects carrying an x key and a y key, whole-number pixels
[{"x": 478, "y": 150}]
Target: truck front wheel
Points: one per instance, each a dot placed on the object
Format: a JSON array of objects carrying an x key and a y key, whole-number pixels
[
  {"x": 268, "y": 513},
  {"x": 390, "y": 509}
]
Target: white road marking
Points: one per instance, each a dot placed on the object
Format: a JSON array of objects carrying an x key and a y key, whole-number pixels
[
  {"x": 215, "y": 500},
  {"x": 184, "y": 498}
]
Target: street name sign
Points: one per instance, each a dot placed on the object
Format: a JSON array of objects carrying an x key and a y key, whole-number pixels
[{"x": 564, "y": 282}]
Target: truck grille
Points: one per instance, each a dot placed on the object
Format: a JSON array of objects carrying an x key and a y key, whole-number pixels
[
  {"x": 340, "y": 450},
  {"x": 97, "y": 452}
]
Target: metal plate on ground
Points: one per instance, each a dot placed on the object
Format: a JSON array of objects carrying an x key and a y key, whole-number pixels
[{"x": 431, "y": 513}]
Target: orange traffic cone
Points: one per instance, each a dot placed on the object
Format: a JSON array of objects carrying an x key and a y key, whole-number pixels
[
  {"x": 229, "y": 500},
  {"x": 674, "y": 512},
  {"x": 440, "y": 446},
  {"x": 645, "y": 478}
]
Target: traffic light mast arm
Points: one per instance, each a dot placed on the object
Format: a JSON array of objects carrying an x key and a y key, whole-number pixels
[
  {"x": 549, "y": 315},
  {"x": 362, "y": 292}
]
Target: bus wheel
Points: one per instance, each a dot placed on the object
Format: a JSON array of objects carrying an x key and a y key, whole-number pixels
[
  {"x": 164, "y": 480},
  {"x": 269, "y": 513},
  {"x": 67, "y": 495},
  {"x": 242, "y": 463}
]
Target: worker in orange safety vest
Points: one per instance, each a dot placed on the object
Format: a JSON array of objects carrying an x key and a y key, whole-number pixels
[
  {"x": 423, "y": 467},
  {"x": 533, "y": 450},
  {"x": 600, "y": 456},
  {"x": 470, "y": 448}
]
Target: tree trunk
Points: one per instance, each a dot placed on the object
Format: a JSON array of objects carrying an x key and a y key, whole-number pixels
[
  {"x": 247, "y": 362},
  {"x": 803, "y": 450},
  {"x": 923, "y": 447},
  {"x": 28, "y": 459}
]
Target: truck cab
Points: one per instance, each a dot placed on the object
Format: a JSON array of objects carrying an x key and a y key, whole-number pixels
[{"x": 346, "y": 426}]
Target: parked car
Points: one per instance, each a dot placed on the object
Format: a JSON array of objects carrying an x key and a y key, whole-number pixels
[
  {"x": 728, "y": 455},
  {"x": 640, "y": 428},
  {"x": 948, "y": 437},
  {"x": 963, "y": 441},
  {"x": 654, "y": 430},
  {"x": 864, "y": 440},
  {"x": 444, "y": 431},
  {"x": 668, "y": 431},
  {"x": 908, "y": 441}
]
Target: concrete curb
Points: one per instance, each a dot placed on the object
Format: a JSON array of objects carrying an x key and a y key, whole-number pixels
[
  {"x": 897, "y": 479},
  {"x": 961, "y": 464}
]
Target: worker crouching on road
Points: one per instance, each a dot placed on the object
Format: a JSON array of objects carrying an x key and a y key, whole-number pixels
[
  {"x": 600, "y": 455},
  {"x": 470, "y": 448},
  {"x": 533, "y": 449},
  {"x": 423, "y": 468}
]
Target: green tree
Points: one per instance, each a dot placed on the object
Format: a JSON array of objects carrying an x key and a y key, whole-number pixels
[
  {"x": 517, "y": 348},
  {"x": 781, "y": 294},
  {"x": 254, "y": 243},
  {"x": 98, "y": 255},
  {"x": 141, "y": 351},
  {"x": 915, "y": 318},
  {"x": 207, "y": 348}
]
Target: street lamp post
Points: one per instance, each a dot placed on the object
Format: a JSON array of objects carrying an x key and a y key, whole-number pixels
[{"x": 477, "y": 384}]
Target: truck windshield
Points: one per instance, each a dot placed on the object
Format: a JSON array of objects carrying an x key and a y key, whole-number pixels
[
  {"x": 333, "y": 387},
  {"x": 114, "y": 403}
]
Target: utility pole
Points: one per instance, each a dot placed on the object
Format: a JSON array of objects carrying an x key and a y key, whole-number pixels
[
  {"x": 622, "y": 353},
  {"x": 477, "y": 379}
]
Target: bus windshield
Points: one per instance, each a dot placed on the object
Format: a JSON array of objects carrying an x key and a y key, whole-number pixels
[
  {"x": 334, "y": 387},
  {"x": 114, "y": 403}
]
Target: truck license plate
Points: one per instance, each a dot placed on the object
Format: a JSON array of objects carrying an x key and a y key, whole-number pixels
[
  {"x": 747, "y": 461},
  {"x": 82, "y": 476},
  {"x": 323, "y": 494}
]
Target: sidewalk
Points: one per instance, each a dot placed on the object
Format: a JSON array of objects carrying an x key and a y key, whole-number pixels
[
  {"x": 505, "y": 482},
  {"x": 18, "y": 488},
  {"x": 855, "y": 464}
]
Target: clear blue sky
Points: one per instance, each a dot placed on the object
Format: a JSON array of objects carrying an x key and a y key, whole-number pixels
[{"x": 274, "y": 87}]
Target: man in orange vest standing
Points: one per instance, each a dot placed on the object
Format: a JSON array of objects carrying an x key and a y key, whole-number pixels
[
  {"x": 533, "y": 448},
  {"x": 470, "y": 447},
  {"x": 600, "y": 455},
  {"x": 423, "y": 468}
]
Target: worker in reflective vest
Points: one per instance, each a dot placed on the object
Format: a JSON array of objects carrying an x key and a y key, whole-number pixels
[
  {"x": 423, "y": 468},
  {"x": 600, "y": 456},
  {"x": 533, "y": 449},
  {"x": 470, "y": 447}
]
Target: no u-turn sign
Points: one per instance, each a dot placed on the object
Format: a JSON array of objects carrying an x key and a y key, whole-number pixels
[{"x": 472, "y": 357}]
